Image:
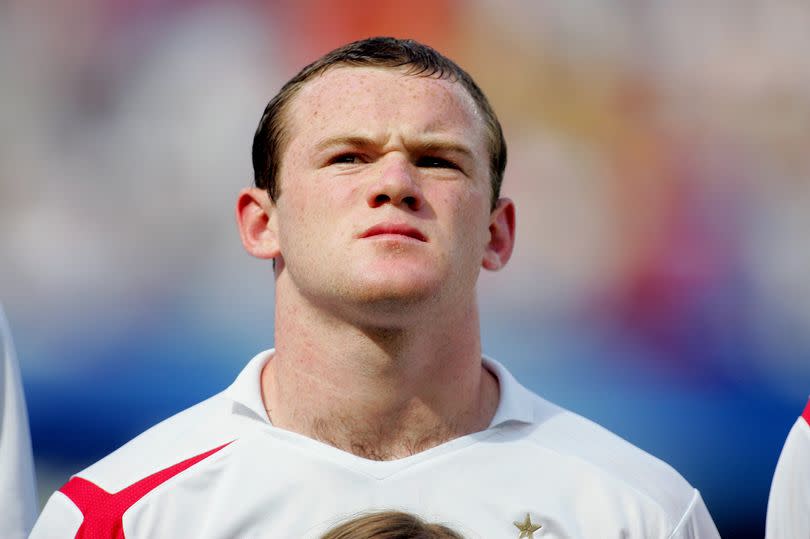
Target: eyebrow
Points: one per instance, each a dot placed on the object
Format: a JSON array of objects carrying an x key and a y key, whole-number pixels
[
  {"x": 342, "y": 140},
  {"x": 431, "y": 144},
  {"x": 443, "y": 145}
]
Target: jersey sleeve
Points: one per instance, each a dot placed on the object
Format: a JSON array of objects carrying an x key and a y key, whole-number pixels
[
  {"x": 696, "y": 522},
  {"x": 789, "y": 500},
  {"x": 17, "y": 491},
  {"x": 59, "y": 519}
]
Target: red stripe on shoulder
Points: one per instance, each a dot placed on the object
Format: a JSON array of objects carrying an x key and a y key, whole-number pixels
[
  {"x": 103, "y": 510},
  {"x": 806, "y": 414}
]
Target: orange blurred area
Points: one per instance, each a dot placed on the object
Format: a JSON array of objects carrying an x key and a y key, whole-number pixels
[{"x": 317, "y": 26}]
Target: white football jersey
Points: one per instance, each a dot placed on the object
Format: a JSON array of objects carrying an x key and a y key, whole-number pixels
[
  {"x": 18, "y": 501},
  {"x": 221, "y": 470},
  {"x": 789, "y": 502}
]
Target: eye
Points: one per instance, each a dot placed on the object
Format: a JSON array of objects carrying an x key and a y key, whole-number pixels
[
  {"x": 430, "y": 161},
  {"x": 345, "y": 158}
]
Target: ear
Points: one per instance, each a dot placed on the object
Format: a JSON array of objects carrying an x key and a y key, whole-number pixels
[
  {"x": 501, "y": 235},
  {"x": 256, "y": 218}
]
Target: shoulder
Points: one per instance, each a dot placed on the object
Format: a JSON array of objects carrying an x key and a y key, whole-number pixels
[
  {"x": 94, "y": 500},
  {"x": 790, "y": 488},
  {"x": 197, "y": 430},
  {"x": 194, "y": 441},
  {"x": 795, "y": 455},
  {"x": 614, "y": 459},
  {"x": 618, "y": 470},
  {"x": 798, "y": 439},
  {"x": 596, "y": 456},
  {"x": 189, "y": 433},
  {"x": 18, "y": 497}
]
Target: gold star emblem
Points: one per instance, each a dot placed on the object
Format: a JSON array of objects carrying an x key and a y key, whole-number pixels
[{"x": 526, "y": 527}]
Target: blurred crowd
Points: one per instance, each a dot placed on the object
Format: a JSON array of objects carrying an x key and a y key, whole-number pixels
[{"x": 659, "y": 158}]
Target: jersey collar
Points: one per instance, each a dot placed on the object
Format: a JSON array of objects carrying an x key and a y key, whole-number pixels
[
  {"x": 516, "y": 402},
  {"x": 246, "y": 390}
]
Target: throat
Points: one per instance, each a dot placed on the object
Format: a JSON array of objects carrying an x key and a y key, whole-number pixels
[
  {"x": 382, "y": 425},
  {"x": 389, "y": 441},
  {"x": 369, "y": 394}
]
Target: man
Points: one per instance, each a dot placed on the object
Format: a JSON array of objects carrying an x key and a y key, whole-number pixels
[
  {"x": 789, "y": 502},
  {"x": 378, "y": 170},
  {"x": 18, "y": 500}
]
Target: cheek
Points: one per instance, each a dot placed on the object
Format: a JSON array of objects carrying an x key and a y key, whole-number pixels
[
  {"x": 311, "y": 215},
  {"x": 469, "y": 218},
  {"x": 295, "y": 224}
]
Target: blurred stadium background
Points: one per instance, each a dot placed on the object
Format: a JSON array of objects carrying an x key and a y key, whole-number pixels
[{"x": 659, "y": 157}]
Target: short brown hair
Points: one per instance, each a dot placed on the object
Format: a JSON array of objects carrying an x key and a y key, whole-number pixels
[
  {"x": 390, "y": 525},
  {"x": 385, "y": 52}
]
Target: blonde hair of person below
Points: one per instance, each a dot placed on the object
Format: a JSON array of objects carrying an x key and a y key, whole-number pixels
[{"x": 390, "y": 525}]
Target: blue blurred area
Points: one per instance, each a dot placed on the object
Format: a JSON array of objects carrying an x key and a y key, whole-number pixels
[
  {"x": 156, "y": 371},
  {"x": 723, "y": 435},
  {"x": 164, "y": 362}
]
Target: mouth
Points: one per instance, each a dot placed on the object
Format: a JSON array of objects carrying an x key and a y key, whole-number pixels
[{"x": 389, "y": 229}]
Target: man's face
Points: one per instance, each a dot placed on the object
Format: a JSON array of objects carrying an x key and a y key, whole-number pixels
[{"x": 385, "y": 193}]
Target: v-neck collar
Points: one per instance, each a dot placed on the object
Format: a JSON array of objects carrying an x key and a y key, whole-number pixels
[{"x": 515, "y": 405}]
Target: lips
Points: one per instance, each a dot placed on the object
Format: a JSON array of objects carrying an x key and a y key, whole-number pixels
[{"x": 390, "y": 229}]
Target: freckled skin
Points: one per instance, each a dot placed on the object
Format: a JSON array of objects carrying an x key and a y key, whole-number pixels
[
  {"x": 377, "y": 338},
  {"x": 324, "y": 206}
]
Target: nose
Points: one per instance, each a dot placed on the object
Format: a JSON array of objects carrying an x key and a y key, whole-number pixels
[{"x": 396, "y": 185}]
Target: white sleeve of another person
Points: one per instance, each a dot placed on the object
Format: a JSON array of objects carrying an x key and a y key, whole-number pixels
[
  {"x": 17, "y": 490},
  {"x": 789, "y": 501}
]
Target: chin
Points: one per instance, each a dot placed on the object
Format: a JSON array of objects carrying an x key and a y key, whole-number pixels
[
  {"x": 394, "y": 291},
  {"x": 404, "y": 292},
  {"x": 390, "y": 312}
]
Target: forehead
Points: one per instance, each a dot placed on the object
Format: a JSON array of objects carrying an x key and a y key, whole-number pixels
[{"x": 386, "y": 99}]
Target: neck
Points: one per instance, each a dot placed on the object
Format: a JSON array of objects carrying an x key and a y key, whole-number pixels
[{"x": 378, "y": 392}]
